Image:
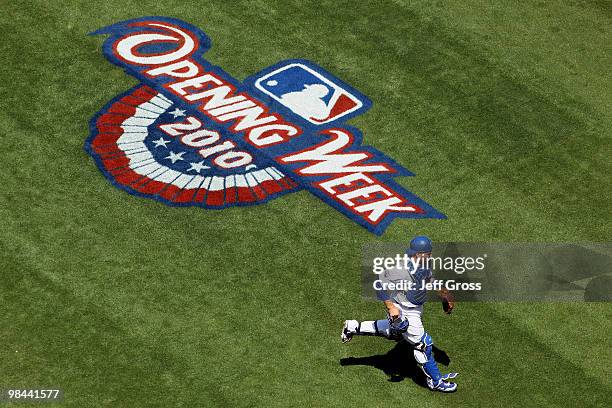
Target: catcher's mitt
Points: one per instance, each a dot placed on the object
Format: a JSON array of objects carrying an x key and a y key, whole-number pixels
[{"x": 448, "y": 303}]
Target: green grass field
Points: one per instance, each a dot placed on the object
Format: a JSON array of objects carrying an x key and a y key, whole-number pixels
[{"x": 503, "y": 111}]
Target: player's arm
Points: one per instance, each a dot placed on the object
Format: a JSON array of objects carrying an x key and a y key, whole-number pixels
[
  {"x": 393, "y": 311},
  {"x": 387, "y": 295}
]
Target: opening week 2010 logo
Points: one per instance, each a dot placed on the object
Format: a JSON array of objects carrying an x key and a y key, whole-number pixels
[{"x": 191, "y": 135}]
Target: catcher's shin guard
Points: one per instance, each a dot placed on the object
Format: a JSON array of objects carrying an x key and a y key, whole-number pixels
[
  {"x": 397, "y": 327},
  {"x": 367, "y": 328},
  {"x": 424, "y": 357}
]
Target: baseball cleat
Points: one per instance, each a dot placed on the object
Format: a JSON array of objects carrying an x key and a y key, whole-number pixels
[
  {"x": 441, "y": 385},
  {"x": 346, "y": 334}
]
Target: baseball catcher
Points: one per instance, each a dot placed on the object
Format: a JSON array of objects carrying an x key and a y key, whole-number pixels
[{"x": 404, "y": 311}]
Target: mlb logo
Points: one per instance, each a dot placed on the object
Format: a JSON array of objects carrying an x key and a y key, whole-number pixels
[{"x": 307, "y": 93}]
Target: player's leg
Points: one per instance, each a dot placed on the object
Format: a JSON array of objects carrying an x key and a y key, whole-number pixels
[
  {"x": 422, "y": 343},
  {"x": 388, "y": 328},
  {"x": 366, "y": 328}
]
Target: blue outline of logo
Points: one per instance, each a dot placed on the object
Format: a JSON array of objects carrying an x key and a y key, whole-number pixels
[{"x": 312, "y": 134}]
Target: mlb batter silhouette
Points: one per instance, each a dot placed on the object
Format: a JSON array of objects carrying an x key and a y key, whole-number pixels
[{"x": 308, "y": 102}]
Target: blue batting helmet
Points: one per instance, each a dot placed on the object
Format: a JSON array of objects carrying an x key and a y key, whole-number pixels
[{"x": 419, "y": 244}]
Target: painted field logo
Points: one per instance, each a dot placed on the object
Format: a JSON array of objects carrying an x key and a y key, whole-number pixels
[{"x": 191, "y": 135}]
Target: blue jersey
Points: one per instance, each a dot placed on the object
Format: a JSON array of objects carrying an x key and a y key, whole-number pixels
[
  {"x": 414, "y": 280},
  {"x": 420, "y": 276}
]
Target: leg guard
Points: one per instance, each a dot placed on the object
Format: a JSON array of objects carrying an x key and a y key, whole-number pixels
[
  {"x": 424, "y": 357},
  {"x": 368, "y": 328},
  {"x": 397, "y": 327}
]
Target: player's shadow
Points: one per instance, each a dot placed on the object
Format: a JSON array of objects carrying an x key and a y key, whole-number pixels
[{"x": 398, "y": 363}]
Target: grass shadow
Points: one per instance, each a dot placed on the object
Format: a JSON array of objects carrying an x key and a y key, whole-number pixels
[{"x": 398, "y": 363}]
